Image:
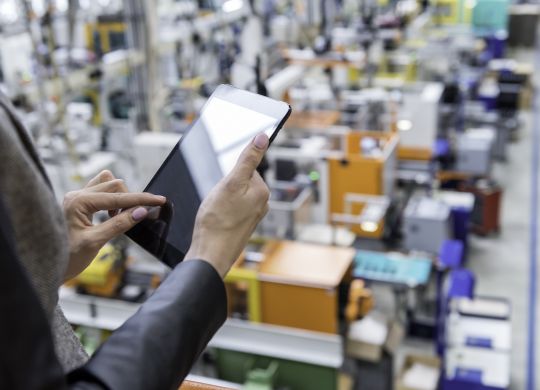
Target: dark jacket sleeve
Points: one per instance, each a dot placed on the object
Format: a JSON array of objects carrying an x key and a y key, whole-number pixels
[{"x": 154, "y": 349}]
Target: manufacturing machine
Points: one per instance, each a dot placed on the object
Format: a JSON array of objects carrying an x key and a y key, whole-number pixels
[
  {"x": 426, "y": 224},
  {"x": 367, "y": 168},
  {"x": 418, "y": 121}
]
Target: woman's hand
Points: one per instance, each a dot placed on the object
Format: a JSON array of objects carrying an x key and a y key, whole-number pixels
[
  {"x": 103, "y": 192},
  {"x": 231, "y": 212}
]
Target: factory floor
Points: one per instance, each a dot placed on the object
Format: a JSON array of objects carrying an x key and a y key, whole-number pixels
[{"x": 501, "y": 263}]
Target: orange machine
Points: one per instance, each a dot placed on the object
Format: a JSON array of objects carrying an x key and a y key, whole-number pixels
[
  {"x": 414, "y": 154},
  {"x": 316, "y": 120},
  {"x": 300, "y": 285},
  {"x": 363, "y": 173}
]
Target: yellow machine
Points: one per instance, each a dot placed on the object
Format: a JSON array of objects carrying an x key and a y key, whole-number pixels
[
  {"x": 398, "y": 67},
  {"x": 362, "y": 173},
  {"x": 104, "y": 275},
  {"x": 106, "y": 35},
  {"x": 297, "y": 285},
  {"x": 452, "y": 12}
]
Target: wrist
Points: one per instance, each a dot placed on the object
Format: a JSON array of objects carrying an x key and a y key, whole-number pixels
[{"x": 194, "y": 254}]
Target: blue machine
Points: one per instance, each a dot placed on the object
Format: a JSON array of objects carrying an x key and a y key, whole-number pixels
[
  {"x": 451, "y": 254},
  {"x": 392, "y": 268},
  {"x": 462, "y": 283}
]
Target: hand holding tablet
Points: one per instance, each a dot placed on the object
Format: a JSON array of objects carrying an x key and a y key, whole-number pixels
[
  {"x": 228, "y": 124},
  {"x": 241, "y": 200}
]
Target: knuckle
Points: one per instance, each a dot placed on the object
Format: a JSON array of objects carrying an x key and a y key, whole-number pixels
[
  {"x": 266, "y": 194},
  {"x": 116, "y": 200},
  {"x": 232, "y": 185},
  {"x": 262, "y": 193},
  {"x": 70, "y": 199},
  {"x": 106, "y": 175},
  {"x": 87, "y": 242},
  {"x": 251, "y": 160},
  {"x": 118, "y": 186},
  {"x": 120, "y": 224}
]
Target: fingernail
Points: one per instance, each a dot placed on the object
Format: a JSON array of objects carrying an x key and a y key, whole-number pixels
[
  {"x": 161, "y": 198},
  {"x": 139, "y": 214},
  {"x": 261, "y": 141}
]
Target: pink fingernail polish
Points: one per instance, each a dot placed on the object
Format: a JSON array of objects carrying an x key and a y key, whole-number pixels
[
  {"x": 261, "y": 141},
  {"x": 139, "y": 214}
]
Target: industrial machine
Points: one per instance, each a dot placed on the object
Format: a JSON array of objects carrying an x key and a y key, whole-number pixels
[
  {"x": 401, "y": 112},
  {"x": 277, "y": 282},
  {"x": 475, "y": 150},
  {"x": 367, "y": 168},
  {"x": 103, "y": 276},
  {"x": 290, "y": 209},
  {"x": 426, "y": 224},
  {"x": 418, "y": 121}
]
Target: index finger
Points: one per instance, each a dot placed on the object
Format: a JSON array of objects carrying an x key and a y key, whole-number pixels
[
  {"x": 251, "y": 157},
  {"x": 113, "y": 201}
]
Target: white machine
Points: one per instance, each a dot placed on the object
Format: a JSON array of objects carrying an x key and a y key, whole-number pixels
[
  {"x": 482, "y": 367},
  {"x": 475, "y": 149},
  {"x": 309, "y": 156},
  {"x": 16, "y": 56},
  {"x": 151, "y": 150},
  {"x": 418, "y": 116},
  {"x": 426, "y": 224},
  {"x": 290, "y": 211}
]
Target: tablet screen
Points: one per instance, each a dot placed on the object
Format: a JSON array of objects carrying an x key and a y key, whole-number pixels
[{"x": 198, "y": 162}]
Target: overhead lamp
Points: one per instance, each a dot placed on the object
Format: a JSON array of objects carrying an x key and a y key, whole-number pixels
[
  {"x": 232, "y": 5},
  {"x": 404, "y": 125},
  {"x": 369, "y": 227}
]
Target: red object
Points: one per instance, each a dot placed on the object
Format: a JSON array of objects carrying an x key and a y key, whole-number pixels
[{"x": 486, "y": 218}]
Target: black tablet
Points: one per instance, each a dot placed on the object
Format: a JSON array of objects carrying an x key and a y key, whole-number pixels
[{"x": 228, "y": 122}]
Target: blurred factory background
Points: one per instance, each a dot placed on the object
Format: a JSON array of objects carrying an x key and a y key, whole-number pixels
[{"x": 400, "y": 247}]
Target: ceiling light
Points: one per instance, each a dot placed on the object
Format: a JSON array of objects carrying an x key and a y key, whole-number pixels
[{"x": 404, "y": 125}]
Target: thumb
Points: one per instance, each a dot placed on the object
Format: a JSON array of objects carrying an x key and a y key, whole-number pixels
[
  {"x": 119, "y": 224},
  {"x": 251, "y": 157}
]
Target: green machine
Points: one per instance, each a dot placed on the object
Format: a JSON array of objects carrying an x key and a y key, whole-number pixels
[
  {"x": 266, "y": 373},
  {"x": 268, "y": 357}
]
